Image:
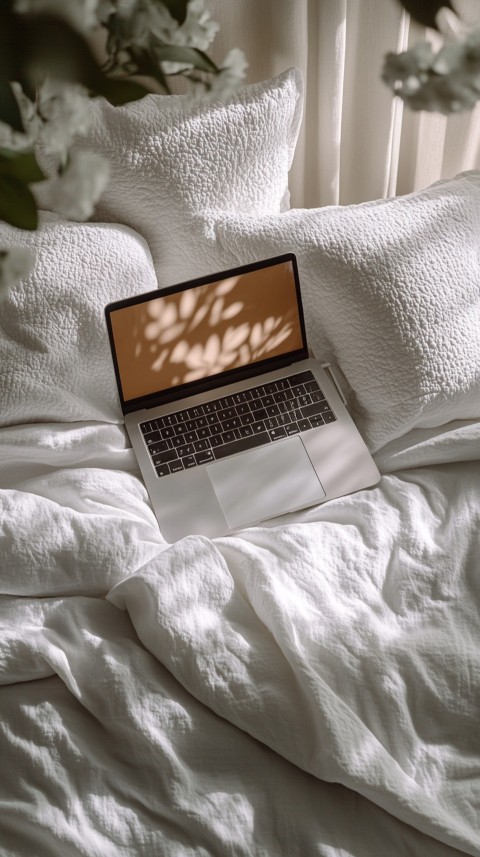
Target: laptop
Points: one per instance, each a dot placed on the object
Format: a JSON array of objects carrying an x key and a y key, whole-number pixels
[{"x": 231, "y": 420}]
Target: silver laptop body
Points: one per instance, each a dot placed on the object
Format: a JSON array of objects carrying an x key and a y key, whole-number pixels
[{"x": 231, "y": 421}]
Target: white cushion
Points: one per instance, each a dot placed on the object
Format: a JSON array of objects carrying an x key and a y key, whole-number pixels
[
  {"x": 54, "y": 352},
  {"x": 391, "y": 292},
  {"x": 170, "y": 159}
]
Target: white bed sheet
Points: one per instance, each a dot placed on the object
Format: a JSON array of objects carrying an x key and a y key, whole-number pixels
[{"x": 308, "y": 687}]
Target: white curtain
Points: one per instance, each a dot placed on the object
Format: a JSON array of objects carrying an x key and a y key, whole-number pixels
[{"x": 357, "y": 142}]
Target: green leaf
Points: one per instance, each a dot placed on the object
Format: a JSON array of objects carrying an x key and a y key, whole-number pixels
[
  {"x": 120, "y": 91},
  {"x": 9, "y": 110},
  {"x": 20, "y": 165},
  {"x": 425, "y": 11},
  {"x": 189, "y": 56},
  {"x": 177, "y": 9},
  {"x": 17, "y": 205}
]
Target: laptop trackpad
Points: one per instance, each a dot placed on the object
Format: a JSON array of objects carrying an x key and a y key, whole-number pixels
[{"x": 265, "y": 482}]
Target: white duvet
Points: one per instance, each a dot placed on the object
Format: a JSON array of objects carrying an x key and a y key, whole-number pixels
[
  {"x": 247, "y": 674},
  {"x": 311, "y": 687}
]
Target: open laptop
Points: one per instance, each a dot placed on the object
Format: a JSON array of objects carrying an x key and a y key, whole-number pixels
[{"x": 230, "y": 419}]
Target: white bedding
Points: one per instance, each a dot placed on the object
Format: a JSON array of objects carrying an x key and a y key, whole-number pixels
[
  {"x": 310, "y": 687},
  {"x": 346, "y": 641}
]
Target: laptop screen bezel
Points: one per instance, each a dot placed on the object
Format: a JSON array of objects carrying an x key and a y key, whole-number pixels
[{"x": 223, "y": 378}]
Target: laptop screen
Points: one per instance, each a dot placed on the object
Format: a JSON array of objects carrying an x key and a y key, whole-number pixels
[{"x": 188, "y": 334}]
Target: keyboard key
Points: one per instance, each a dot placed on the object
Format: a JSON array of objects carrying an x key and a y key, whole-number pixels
[
  {"x": 282, "y": 384},
  {"x": 170, "y": 420},
  {"x": 216, "y": 440},
  {"x": 153, "y": 437},
  {"x": 304, "y": 425},
  {"x": 257, "y": 392},
  {"x": 201, "y": 445},
  {"x": 203, "y": 433},
  {"x": 239, "y": 398},
  {"x": 156, "y": 448},
  {"x": 228, "y": 436},
  {"x": 245, "y": 431},
  {"x": 227, "y": 414},
  {"x": 271, "y": 423},
  {"x": 271, "y": 387},
  {"x": 329, "y": 417},
  {"x": 260, "y": 414},
  {"x": 312, "y": 386},
  {"x": 247, "y": 419},
  {"x": 292, "y": 428},
  {"x": 267, "y": 401},
  {"x": 145, "y": 428},
  {"x": 216, "y": 429},
  {"x": 315, "y": 408},
  {"x": 162, "y": 470},
  {"x": 299, "y": 390},
  {"x": 193, "y": 413},
  {"x": 226, "y": 402},
  {"x": 190, "y": 436},
  {"x": 189, "y": 461},
  {"x": 243, "y": 409},
  {"x": 258, "y": 427},
  {"x": 241, "y": 445},
  {"x": 204, "y": 457},
  {"x": 303, "y": 401},
  {"x": 277, "y": 433},
  {"x": 211, "y": 419},
  {"x": 212, "y": 407},
  {"x": 317, "y": 396},
  {"x": 316, "y": 420},
  {"x": 175, "y": 466},
  {"x": 185, "y": 450},
  {"x": 228, "y": 425},
  {"x": 176, "y": 441},
  {"x": 163, "y": 457},
  {"x": 167, "y": 432},
  {"x": 273, "y": 410},
  {"x": 179, "y": 428}
]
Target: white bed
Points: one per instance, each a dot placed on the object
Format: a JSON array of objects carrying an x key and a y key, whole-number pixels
[{"x": 310, "y": 687}]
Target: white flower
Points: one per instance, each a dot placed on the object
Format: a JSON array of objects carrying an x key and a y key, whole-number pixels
[
  {"x": 446, "y": 82},
  {"x": 15, "y": 263},
  {"x": 61, "y": 111},
  {"x": 64, "y": 111},
  {"x": 75, "y": 193},
  {"x": 230, "y": 77},
  {"x": 81, "y": 14}
]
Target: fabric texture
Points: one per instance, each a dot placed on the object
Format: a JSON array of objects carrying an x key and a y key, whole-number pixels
[
  {"x": 306, "y": 688},
  {"x": 169, "y": 158},
  {"x": 55, "y": 357},
  {"x": 391, "y": 292}
]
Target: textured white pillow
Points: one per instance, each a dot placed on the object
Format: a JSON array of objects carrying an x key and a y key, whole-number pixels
[
  {"x": 170, "y": 159},
  {"x": 54, "y": 352},
  {"x": 391, "y": 292}
]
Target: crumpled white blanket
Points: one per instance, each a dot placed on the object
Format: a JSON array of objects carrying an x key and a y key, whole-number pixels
[{"x": 346, "y": 640}]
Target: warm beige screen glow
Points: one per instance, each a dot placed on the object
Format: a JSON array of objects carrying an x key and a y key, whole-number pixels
[{"x": 209, "y": 329}]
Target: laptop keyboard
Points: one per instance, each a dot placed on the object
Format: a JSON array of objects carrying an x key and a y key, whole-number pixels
[{"x": 236, "y": 423}]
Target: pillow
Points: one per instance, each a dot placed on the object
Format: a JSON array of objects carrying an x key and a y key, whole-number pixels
[
  {"x": 54, "y": 351},
  {"x": 170, "y": 158},
  {"x": 391, "y": 292}
]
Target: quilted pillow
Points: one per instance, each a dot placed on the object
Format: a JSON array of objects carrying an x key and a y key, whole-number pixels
[
  {"x": 170, "y": 158},
  {"x": 54, "y": 352},
  {"x": 391, "y": 292}
]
